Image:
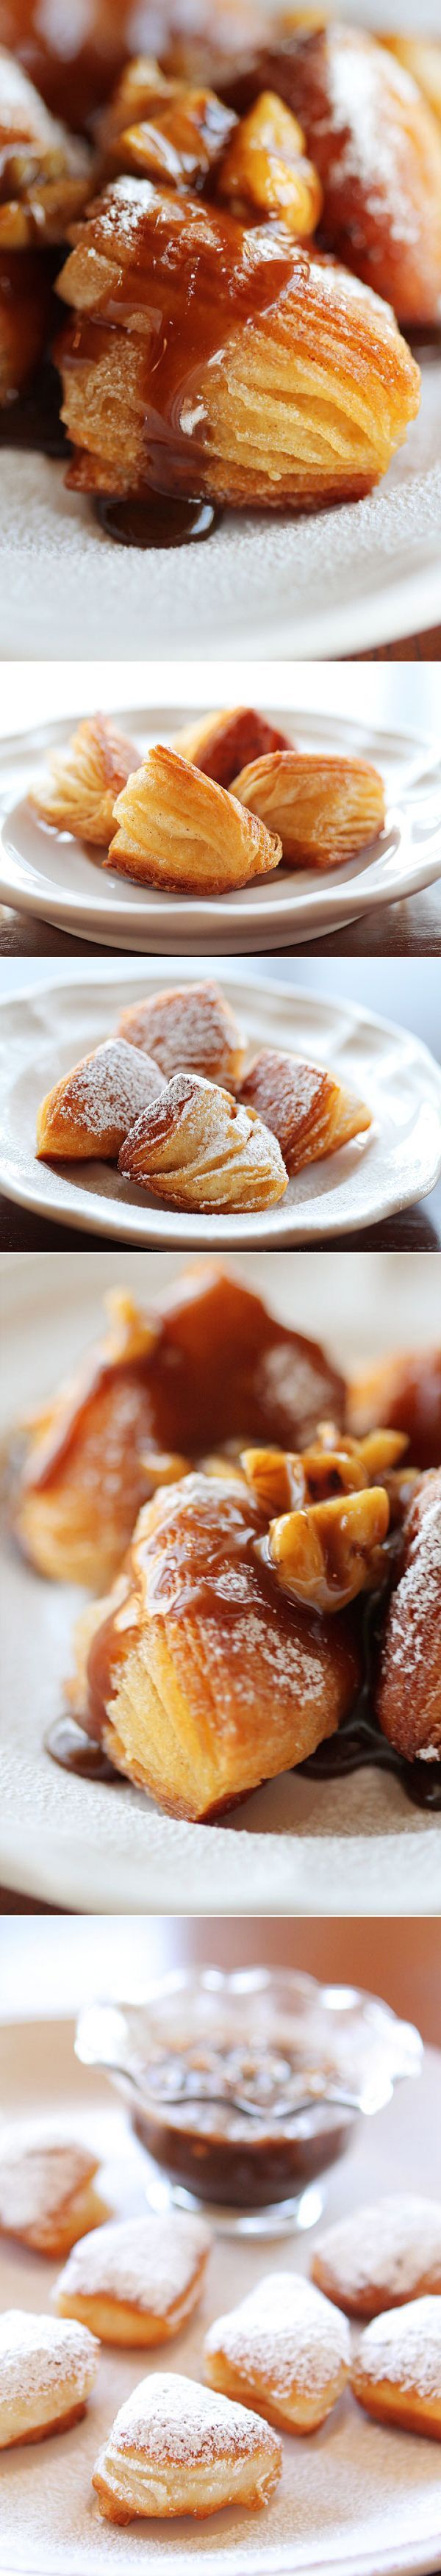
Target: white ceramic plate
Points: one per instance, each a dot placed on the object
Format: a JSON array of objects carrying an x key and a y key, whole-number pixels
[
  {"x": 56, "y": 879},
  {"x": 397, "y": 1161},
  {"x": 354, "y": 2497},
  {"x": 297, "y": 1846}
]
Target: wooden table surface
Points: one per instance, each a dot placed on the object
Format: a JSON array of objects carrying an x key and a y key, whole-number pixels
[
  {"x": 411, "y": 929},
  {"x": 415, "y": 1229}
]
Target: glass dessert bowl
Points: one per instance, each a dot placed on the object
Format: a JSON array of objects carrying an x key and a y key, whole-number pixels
[{"x": 243, "y": 2089}]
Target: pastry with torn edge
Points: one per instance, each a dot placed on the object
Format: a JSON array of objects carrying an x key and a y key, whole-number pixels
[
  {"x": 195, "y": 1147},
  {"x": 139, "y": 2278},
  {"x": 396, "y": 2374},
  {"x": 48, "y": 2195},
  {"x": 311, "y": 1115},
  {"x": 377, "y": 149},
  {"x": 92, "y": 1108},
  {"x": 177, "y": 2448},
  {"x": 25, "y": 307},
  {"x": 408, "y": 1695},
  {"x": 46, "y": 173},
  {"x": 382, "y": 2255},
  {"x": 177, "y": 829},
  {"x": 85, "y": 781},
  {"x": 284, "y": 2350},
  {"x": 204, "y": 355},
  {"x": 223, "y": 744},
  {"x": 197, "y": 1675},
  {"x": 182, "y": 1376},
  {"x": 325, "y": 811},
  {"x": 188, "y": 1029},
  {"x": 47, "y": 2373}
]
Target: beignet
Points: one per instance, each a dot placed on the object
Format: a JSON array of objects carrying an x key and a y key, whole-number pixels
[
  {"x": 92, "y": 1108},
  {"x": 197, "y": 1148},
  {"x": 284, "y": 2350},
  {"x": 423, "y": 61},
  {"x": 381, "y": 2255},
  {"x": 396, "y": 2374},
  {"x": 47, "y": 2190},
  {"x": 175, "y": 2448},
  {"x": 190, "y": 1029},
  {"x": 140, "y": 2278},
  {"x": 204, "y": 357},
  {"x": 222, "y": 744},
  {"x": 47, "y": 2372},
  {"x": 85, "y": 781},
  {"x": 197, "y": 1676},
  {"x": 310, "y": 1113},
  {"x": 25, "y": 306},
  {"x": 324, "y": 810},
  {"x": 208, "y": 1364},
  {"x": 45, "y": 172},
  {"x": 178, "y": 829},
  {"x": 408, "y": 1696}
]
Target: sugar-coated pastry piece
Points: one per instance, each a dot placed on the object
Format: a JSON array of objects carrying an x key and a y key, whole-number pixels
[
  {"x": 311, "y": 1114},
  {"x": 198, "y": 1678},
  {"x": 221, "y": 745},
  {"x": 422, "y": 59},
  {"x": 324, "y": 810},
  {"x": 396, "y": 2374},
  {"x": 324, "y": 1554},
  {"x": 264, "y": 168},
  {"x": 284, "y": 2350},
  {"x": 165, "y": 129},
  {"x": 377, "y": 150},
  {"x": 92, "y": 1108},
  {"x": 136, "y": 2281},
  {"x": 206, "y": 355},
  {"x": 48, "y": 2196},
  {"x": 178, "y": 829},
  {"x": 47, "y": 2373},
  {"x": 408, "y": 1694},
  {"x": 382, "y": 2255},
  {"x": 188, "y": 1029},
  {"x": 195, "y": 1147},
  {"x": 85, "y": 781},
  {"x": 184, "y": 1376},
  {"x": 45, "y": 171},
  {"x": 403, "y": 1390},
  {"x": 176, "y": 2448},
  {"x": 25, "y": 305}
]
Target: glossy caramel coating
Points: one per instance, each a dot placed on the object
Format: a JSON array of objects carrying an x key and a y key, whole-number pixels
[
  {"x": 264, "y": 169},
  {"x": 45, "y": 175},
  {"x": 75, "y": 58},
  {"x": 25, "y": 310},
  {"x": 328, "y": 1552}
]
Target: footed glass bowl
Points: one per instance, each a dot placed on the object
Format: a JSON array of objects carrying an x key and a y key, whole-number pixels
[{"x": 244, "y": 2089}]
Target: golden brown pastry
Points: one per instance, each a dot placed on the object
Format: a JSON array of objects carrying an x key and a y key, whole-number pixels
[
  {"x": 197, "y": 1676},
  {"x": 381, "y": 2255},
  {"x": 310, "y": 1113},
  {"x": 264, "y": 169},
  {"x": 47, "y": 2372},
  {"x": 422, "y": 58},
  {"x": 25, "y": 308},
  {"x": 396, "y": 2374},
  {"x": 92, "y": 1108},
  {"x": 175, "y": 2448},
  {"x": 325, "y": 810},
  {"x": 195, "y": 1147},
  {"x": 326, "y": 1553},
  {"x": 404, "y": 1390},
  {"x": 190, "y": 1029},
  {"x": 179, "y": 830},
  {"x": 140, "y": 2279},
  {"x": 204, "y": 357},
  {"x": 85, "y": 781},
  {"x": 208, "y": 1364},
  {"x": 75, "y": 53},
  {"x": 163, "y": 128},
  {"x": 47, "y": 2190},
  {"x": 284, "y": 2350},
  {"x": 221, "y": 745},
  {"x": 408, "y": 1698},
  {"x": 45, "y": 172},
  {"x": 377, "y": 150}
]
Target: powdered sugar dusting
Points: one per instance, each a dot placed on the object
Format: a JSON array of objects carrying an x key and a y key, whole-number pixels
[
  {"x": 38, "y": 2176},
  {"x": 416, "y": 1605},
  {"x": 390, "y": 2246},
  {"x": 109, "y": 1088},
  {"x": 174, "y": 2419},
  {"x": 373, "y": 142},
  {"x": 405, "y": 2347},
  {"x": 286, "y": 2333},
  {"x": 38, "y": 2354},
  {"x": 192, "y": 1028},
  {"x": 148, "y": 2262}
]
